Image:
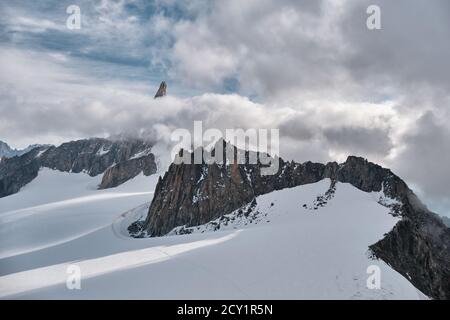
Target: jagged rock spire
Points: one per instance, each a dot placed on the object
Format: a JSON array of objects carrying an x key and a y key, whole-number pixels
[{"x": 162, "y": 91}]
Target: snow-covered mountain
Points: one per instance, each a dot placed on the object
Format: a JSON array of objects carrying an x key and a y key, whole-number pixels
[
  {"x": 118, "y": 161},
  {"x": 311, "y": 231},
  {"x": 281, "y": 250},
  {"x": 193, "y": 194},
  {"x": 8, "y": 152}
]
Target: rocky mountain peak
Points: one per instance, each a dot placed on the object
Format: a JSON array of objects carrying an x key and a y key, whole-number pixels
[
  {"x": 7, "y": 152},
  {"x": 118, "y": 161},
  {"x": 162, "y": 91},
  {"x": 194, "y": 194},
  {"x": 5, "y": 149}
]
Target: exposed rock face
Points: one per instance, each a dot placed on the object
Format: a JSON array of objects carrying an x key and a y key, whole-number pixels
[
  {"x": 420, "y": 251},
  {"x": 126, "y": 170},
  {"x": 17, "y": 171},
  {"x": 446, "y": 221},
  {"x": 92, "y": 156},
  {"x": 162, "y": 91},
  {"x": 121, "y": 159},
  {"x": 7, "y": 152},
  {"x": 193, "y": 194}
]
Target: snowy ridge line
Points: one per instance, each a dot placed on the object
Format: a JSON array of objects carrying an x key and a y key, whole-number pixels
[{"x": 250, "y": 213}]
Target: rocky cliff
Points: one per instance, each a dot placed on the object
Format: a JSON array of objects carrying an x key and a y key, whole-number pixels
[
  {"x": 193, "y": 194},
  {"x": 18, "y": 171},
  {"x": 7, "y": 152},
  {"x": 119, "y": 160},
  {"x": 446, "y": 221},
  {"x": 128, "y": 169}
]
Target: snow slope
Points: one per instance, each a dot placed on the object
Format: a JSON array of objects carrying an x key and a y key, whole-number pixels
[
  {"x": 58, "y": 206},
  {"x": 286, "y": 251}
]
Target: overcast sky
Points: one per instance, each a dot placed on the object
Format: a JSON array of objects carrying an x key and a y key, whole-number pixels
[{"x": 311, "y": 68}]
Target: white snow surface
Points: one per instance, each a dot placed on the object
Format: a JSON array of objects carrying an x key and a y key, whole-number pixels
[{"x": 288, "y": 252}]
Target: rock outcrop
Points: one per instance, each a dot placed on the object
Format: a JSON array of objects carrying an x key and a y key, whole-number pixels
[
  {"x": 126, "y": 170},
  {"x": 446, "y": 221},
  {"x": 419, "y": 249},
  {"x": 120, "y": 160},
  {"x": 17, "y": 171},
  {"x": 92, "y": 156},
  {"x": 193, "y": 194},
  {"x": 162, "y": 91},
  {"x": 7, "y": 152}
]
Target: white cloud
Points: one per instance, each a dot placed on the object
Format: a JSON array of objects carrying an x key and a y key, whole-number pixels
[{"x": 55, "y": 96}]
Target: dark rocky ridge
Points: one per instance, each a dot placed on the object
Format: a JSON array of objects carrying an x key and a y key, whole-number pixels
[
  {"x": 92, "y": 156},
  {"x": 192, "y": 194},
  {"x": 7, "y": 152},
  {"x": 126, "y": 170},
  {"x": 121, "y": 160},
  {"x": 18, "y": 171},
  {"x": 195, "y": 194}
]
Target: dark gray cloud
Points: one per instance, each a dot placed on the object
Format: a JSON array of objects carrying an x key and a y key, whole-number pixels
[
  {"x": 425, "y": 158},
  {"x": 297, "y": 128},
  {"x": 411, "y": 49},
  {"x": 360, "y": 141}
]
